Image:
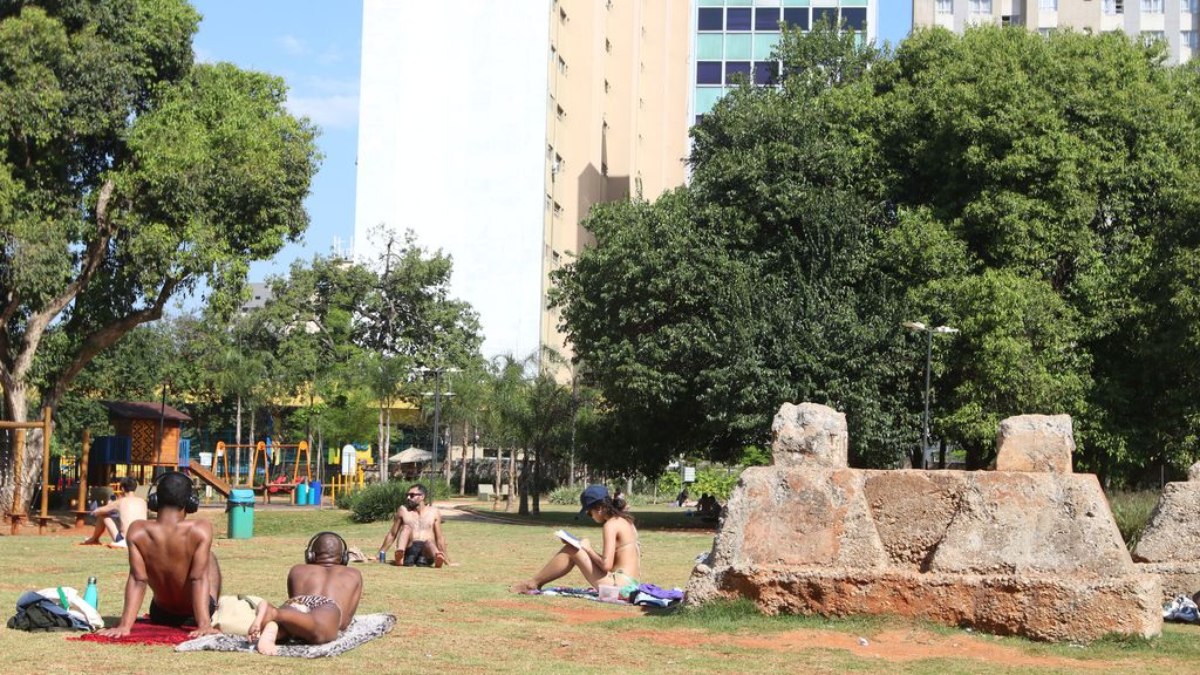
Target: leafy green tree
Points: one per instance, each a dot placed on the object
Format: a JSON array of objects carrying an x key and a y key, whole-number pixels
[{"x": 128, "y": 175}]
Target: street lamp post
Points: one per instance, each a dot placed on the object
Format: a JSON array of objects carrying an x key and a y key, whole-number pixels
[
  {"x": 919, "y": 327},
  {"x": 437, "y": 404}
]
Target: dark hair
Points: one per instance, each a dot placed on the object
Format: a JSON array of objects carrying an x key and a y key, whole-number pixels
[
  {"x": 174, "y": 489},
  {"x": 129, "y": 484},
  {"x": 424, "y": 491},
  {"x": 328, "y": 545},
  {"x": 613, "y": 508}
]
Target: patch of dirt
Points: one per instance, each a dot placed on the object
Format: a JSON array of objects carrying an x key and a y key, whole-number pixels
[
  {"x": 891, "y": 646},
  {"x": 588, "y": 612}
]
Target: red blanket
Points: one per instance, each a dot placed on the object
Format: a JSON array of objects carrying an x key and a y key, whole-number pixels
[{"x": 142, "y": 633}]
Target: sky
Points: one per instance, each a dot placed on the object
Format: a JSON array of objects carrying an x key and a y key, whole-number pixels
[{"x": 314, "y": 45}]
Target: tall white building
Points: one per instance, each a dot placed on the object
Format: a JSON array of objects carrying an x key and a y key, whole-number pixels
[
  {"x": 1173, "y": 21},
  {"x": 452, "y": 127}
]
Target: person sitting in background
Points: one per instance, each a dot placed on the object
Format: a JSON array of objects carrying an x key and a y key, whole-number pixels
[
  {"x": 323, "y": 595},
  {"x": 116, "y": 516},
  {"x": 621, "y": 561},
  {"x": 418, "y": 525}
]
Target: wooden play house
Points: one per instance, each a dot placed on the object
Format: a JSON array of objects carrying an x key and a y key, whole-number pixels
[{"x": 141, "y": 421}]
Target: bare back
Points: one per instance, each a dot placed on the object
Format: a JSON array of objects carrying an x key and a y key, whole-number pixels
[
  {"x": 339, "y": 583},
  {"x": 131, "y": 509},
  {"x": 166, "y": 554},
  {"x": 627, "y": 553}
]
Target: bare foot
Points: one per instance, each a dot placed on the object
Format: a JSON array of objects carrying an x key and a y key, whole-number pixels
[
  {"x": 266, "y": 640},
  {"x": 262, "y": 616},
  {"x": 523, "y": 587},
  {"x": 90, "y": 542},
  {"x": 439, "y": 559}
]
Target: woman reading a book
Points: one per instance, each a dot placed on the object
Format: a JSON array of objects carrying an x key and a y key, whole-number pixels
[{"x": 619, "y": 564}]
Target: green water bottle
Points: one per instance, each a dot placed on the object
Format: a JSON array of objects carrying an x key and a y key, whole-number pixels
[{"x": 91, "y": 595}]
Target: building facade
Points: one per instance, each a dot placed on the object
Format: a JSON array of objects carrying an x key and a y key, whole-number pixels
[
  {"x": 1173, "y": 21},
  {"x": 626, "y": 80},
  {"x": 617, "y": 102},
  {"x": 452, "y": 129},
  {"x": 734, "y": 39}
]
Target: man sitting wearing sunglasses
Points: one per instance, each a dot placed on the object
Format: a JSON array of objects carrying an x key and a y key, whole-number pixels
[{"x": 419, "y": 527}]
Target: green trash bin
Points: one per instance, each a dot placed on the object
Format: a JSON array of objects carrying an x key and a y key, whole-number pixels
[{"x": 240, "y": 508}]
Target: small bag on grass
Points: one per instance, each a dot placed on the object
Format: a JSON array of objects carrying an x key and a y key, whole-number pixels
[{"x": 235, "y": 613}]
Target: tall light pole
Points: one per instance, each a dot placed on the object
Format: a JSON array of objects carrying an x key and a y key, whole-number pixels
[
  {"x": 919, "y": 327},
  {"x": 437, "y": 403}
]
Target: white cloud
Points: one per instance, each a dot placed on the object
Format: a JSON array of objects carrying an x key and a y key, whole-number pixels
[
  {"x": 331, "y": 112},
  {"x": 292, "y": 45}
]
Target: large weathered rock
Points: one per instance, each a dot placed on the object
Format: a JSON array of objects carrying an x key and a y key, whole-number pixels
[
  {"x": 1194, "y": 472},
  {"x": 1034, "y": 554},
  {"x": 809, "y": 434},
  {"x": 1170, "y": 544},
  {"x": 1035, "y": 443}
]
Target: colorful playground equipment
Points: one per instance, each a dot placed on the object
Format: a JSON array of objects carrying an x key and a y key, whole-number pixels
[{"x": 18, "y": 509}]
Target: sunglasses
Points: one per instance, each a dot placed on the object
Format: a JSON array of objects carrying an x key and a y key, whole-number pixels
[{"x": 414, "y": 495}]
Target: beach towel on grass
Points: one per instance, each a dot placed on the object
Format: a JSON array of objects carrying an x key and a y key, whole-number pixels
[
  {"x": 142, "y": 633},
  {"x": 361, "y": 630}
]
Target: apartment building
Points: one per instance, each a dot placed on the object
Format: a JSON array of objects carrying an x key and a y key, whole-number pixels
[{"x": 1173, "y": 21}]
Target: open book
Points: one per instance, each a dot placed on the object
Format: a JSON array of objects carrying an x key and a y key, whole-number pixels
[{"x": 568, "y": 538}]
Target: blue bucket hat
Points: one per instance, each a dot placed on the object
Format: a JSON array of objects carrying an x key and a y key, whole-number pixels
[{"x": 594, "y": 494}]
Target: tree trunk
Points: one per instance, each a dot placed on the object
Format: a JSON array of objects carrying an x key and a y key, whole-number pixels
[
  {"x": 15, "y": 401},
  {"x": 462, "y": 479},
  {"x": 512, "y": 478},
  {"x": 237, "y": 440},
  {"x": 523, "y": 509},
  {"x": 537, "y": 482},
  {"x": 379, "y": 442},
  {"x": 250, "y": 470}
]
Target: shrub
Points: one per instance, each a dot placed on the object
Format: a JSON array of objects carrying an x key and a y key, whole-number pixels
[
  {"x": 379, "y": 501},
  {"x": 1132, "y": 511},
  {"x": 564, "y": 495}
]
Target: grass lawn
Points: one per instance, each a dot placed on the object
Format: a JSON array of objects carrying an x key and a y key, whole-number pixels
[{"x": 462, "y": 619}]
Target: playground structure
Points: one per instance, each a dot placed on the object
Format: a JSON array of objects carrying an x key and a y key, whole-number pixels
[
  {"x": 339, "y": 483},
  {"x": 17, "y": 514}
]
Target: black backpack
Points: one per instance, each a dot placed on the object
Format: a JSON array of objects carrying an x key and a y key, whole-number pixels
[{"x": 35, "y": 617}]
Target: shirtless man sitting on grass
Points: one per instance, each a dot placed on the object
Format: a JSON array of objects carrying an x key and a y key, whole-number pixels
[
  {"x": 419, "y": 526},
  {"x": 323, "y": 596},
  {"x": 173, "y": 556},
  {"x": 117, "y": 516}
]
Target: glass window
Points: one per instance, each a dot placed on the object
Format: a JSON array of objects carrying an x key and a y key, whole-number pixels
[
  {"x": 709, "y": 47},
  {"x": 737, "y": 47},
  {"x": 708, "y": 72},
  {"x": 1189, "y": 6},
  {"x": 1049, "y": 5},
  {"x": 981, "y": 6},
  {"x": 766, "y": 18},
  {"x": 1189, "y": 39},
  {"x": 706, "y": 98},
  {"x": 855, "y": 18},
  {"x": 1114, "y": 6},
  {"x": 796, "y": 17},
  {"x": 734, "y": 69},
  {"x": 765, "y": 72},
  {"x": 711, "y": 19},
  {"x": 764, "y": 44},
  {"x": 1152, "y": 6},
  {"x": 945, "y": 6},
  {"x": 737, "y": 18},
  {"x": 826, "y": 14}
]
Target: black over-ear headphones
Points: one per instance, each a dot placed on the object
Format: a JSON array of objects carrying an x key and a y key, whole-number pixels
[
  {"x": 310, "y": 556},
  {"x": 193, "y": 502}
]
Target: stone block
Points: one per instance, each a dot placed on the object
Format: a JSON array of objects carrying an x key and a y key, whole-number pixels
[
  {"x": 1035, "y": 443},
  {"x": 810, "y": 434},
  {"x": 1034, "y": 554},
  {"x": 1194, "y": 472},
  {"x": 1173, "y": 531}
]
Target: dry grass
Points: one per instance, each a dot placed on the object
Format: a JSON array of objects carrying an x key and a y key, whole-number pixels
[{"x": 461, "y": 619}]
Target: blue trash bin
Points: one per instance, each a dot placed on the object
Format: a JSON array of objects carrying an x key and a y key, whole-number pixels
[
  {"x": 315, "y": 492},
  {"x": 302, "y": 493}
]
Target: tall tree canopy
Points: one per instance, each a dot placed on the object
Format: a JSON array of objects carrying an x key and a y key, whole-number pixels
[
  {"x": 1037, "y": 193},
  {"x": 128, "y": 175}
]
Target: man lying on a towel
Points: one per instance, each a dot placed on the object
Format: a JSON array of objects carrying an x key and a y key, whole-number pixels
[
  {"x": 173, "y": 556},
  {"x": 323, "y": 596}
]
